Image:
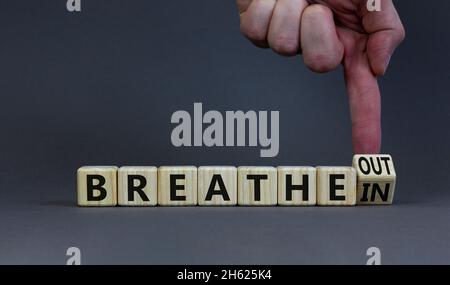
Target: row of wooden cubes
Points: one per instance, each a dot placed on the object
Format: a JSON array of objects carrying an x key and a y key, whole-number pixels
[{"x": 371, "y": 180}]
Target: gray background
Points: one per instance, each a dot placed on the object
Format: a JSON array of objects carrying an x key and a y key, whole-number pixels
[{"x": 99, "y": 87}]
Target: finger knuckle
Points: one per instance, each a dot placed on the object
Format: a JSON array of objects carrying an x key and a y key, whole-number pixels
[
  {"x": 320, "y": 62},
  {"x": 284, "y": 44},
  {"x": 253, "y": 31},
  {"x": 317, "y": 8}
]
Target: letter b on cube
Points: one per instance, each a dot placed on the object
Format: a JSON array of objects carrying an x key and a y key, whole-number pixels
[
  {"x": 376, "y": 179},
  {"x": 97, "y": 186}
]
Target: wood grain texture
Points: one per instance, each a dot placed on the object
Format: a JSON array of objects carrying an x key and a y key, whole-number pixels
[
  {"x": 247, "y": 180},
  {"x": 296, "y": 186},
  {"x": 221, "y": 181},
  {"x": 183, "y": 184},
  {"x": 144, "y": 179},
  {"x": 336, "y": 186},
  {"x": 376, "y": 179},
  {"x": 109, "y": 174}
]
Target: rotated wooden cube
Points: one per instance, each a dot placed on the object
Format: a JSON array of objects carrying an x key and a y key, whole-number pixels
[{"x": 376, "y": 179}]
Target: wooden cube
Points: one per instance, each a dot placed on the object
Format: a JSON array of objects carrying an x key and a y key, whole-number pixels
[
  {"x": 217, "y": 185},
  {"x": 137, "y": 186},
  {"x": 257, "y": 186},
  {"x": 336, "y": 186},
  {"x": 97, "y": 186},
  {"x": 376, "y": 179},
  {"x": 177, "y": 186},
  {"x": 296, "y": 186}
]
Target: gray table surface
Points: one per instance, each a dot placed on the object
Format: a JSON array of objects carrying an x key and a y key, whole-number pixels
[{"x": 39, "y": 230}]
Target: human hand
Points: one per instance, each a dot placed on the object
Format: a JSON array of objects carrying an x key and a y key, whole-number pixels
[{"x": 327, "y": 33}]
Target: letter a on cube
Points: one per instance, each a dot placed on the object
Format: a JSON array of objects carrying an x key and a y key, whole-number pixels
[{"x": 217, "y": 186}]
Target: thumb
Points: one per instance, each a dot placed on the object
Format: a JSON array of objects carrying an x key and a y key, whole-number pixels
[
  {"x": 385, "y": 31},
  {"x": 365, "y": 104}
]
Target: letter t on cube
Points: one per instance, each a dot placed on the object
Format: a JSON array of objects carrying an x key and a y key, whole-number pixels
[{"x": 257, "y": 186}]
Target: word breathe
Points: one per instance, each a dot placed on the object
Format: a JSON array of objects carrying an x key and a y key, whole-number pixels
[
  {"x": 236, "y": 131},
  {"x": 370, "y": 181}
]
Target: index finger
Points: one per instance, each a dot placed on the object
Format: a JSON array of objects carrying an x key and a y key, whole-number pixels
[{"x": 365, "y": 104}]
